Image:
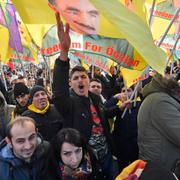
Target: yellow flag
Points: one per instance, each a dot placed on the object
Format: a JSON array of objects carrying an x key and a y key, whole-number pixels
[
  {"x": 137, "y": 6},
  {"x": 135, "y": 31},
  {"x": 37, "y": 16},
  {"x": 27, "y": 41},
  {"x": 5, "y": 50},
  {"x": 133, "y": 76}
]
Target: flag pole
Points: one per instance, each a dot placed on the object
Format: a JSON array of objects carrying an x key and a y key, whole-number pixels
[
  {"x": 132, "y": 95},
  {"x": 152, "y": 10},
  {"x": 49, "y": 72},
  {"x": 167, "y": 30},
  {"x": 172, "y": 51}
]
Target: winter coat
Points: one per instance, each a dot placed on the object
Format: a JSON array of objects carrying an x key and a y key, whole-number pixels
[
  {"x": 125, "y": 136},
  {"x": 13, "y": 168},
  {"x": 19, "y": 110},
  {"x": 159, "y": 123},
  {"x": 48, "y": 124},
  {"x": 5, "y": 115}
]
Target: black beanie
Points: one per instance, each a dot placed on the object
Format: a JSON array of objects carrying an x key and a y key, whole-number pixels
[
  {"x": 20, "y": 89},
  {"x": 35, "y": 89}
]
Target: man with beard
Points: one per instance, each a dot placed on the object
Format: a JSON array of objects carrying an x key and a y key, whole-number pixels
[
  {"x": 21, "y": 95},
  {"x": 47, "y": 118},
  {"x": 23, "y": 152}
]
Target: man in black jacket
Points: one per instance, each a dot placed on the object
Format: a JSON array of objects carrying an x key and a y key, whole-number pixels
[
  {"x": 47, "y": 118},
  {"x": 81, "y": 109}
]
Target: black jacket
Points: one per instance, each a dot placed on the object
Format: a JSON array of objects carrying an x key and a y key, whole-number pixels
[
  {"x": 76, "y": 109},
  {"x": 48, "y": 124}
]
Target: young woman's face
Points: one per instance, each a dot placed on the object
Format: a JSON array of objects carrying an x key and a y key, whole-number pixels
[{"x": 71, "y": 155}]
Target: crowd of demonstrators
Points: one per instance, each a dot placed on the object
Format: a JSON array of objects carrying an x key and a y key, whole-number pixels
[
  {"x": 81, "y": 109},
  {"x": 78, "y": 140}
]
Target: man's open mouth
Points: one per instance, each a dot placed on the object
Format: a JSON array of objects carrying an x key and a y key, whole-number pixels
[{"x": 81, "y": 87}]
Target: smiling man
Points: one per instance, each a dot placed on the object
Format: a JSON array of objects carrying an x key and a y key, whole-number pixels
[
  {"x": 23, "y": 153},
  {"x": 80, "y": 14},
  {"x": 48, "y": 119}
]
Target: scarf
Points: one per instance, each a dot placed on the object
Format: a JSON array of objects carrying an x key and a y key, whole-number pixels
[
  {"x": 34, "y": 109},
  {"x": 81, "y": 173}
]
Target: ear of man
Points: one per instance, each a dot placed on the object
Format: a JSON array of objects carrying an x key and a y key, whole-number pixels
[{"x": 8, "y": 141}]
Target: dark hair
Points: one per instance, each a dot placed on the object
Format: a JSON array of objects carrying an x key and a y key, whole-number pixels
[
  {"x": 20, "y": 77},
  {"x": 77, "y": 68},
  {"x": 18, "y": 120},
  {"x": 68, "y": 135},
  {"x": 167, "y": 70},
  {"x": 96, "y": 80}
]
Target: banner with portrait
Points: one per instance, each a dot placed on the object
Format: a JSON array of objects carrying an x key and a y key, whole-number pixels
[{"x": 131, "y": 44}]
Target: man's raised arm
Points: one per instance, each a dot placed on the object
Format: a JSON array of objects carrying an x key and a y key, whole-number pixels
[
  {"x": 61, "y": 69},
  {"x": 64, "y": 38}
]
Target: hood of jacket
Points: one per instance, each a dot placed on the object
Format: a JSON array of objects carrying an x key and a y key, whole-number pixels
[
  {"x": 7, "y": 155},
  {"x": 162, "y": 84}
]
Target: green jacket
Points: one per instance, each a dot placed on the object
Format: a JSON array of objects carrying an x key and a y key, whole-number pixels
[{"x": 159, "y": 123}]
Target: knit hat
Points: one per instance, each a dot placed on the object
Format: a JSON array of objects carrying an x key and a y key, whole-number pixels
[
  {"x": 20, "y": 89},
  {"x": 35, "y": 89}
]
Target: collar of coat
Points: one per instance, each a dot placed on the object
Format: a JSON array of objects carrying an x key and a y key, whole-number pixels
[{"x": 34, "y": 109}]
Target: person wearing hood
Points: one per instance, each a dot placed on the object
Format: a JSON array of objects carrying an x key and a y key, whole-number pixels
[
  {"x": 22, "y": 153},
  {"x": 5, "y": 115},
  {"x": 48, "y": 119},
  {"x": 159, "y": 122},
  {"x": 21, "y": 95}
]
